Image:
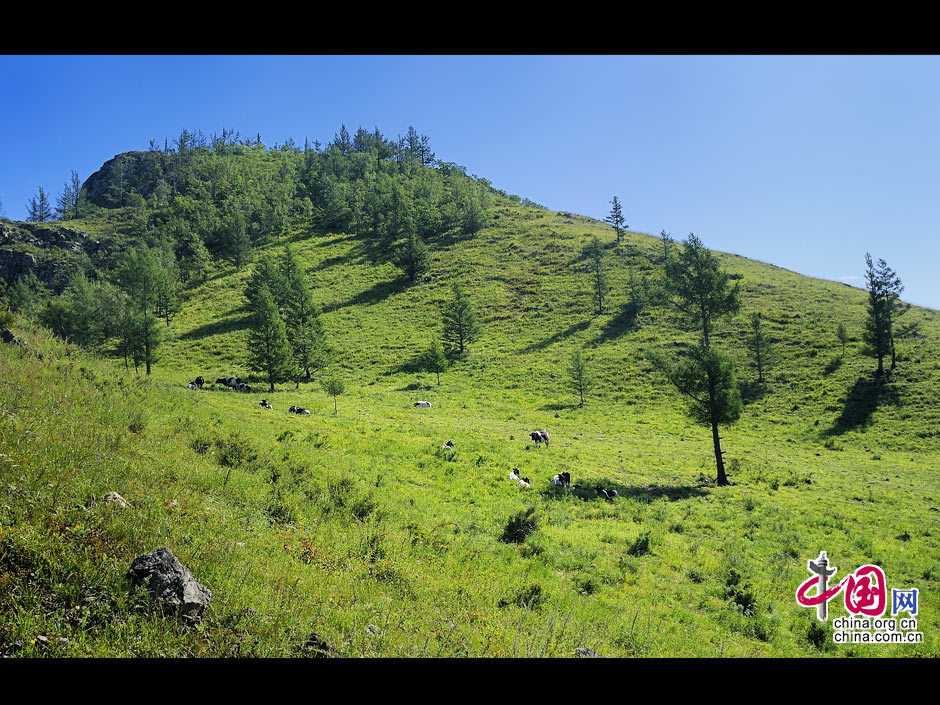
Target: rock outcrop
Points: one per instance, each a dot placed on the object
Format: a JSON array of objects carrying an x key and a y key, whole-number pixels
[{"x": 170, "y": 584}]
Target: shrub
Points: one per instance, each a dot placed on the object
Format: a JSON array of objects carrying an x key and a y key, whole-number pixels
[
  {"x": 818, "y": 633},
  {"x": 138, "y": 421},
  {"x": 530, "y": 598},
  {"x": 519, "y": 526},
  {"x": 641, "y": 546},
  {"x": 235, "y": 451},
  {"x": 740, "y": 593}
]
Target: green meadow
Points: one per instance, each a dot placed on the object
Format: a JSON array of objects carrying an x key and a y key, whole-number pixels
[{"x": 355, "y": 535}]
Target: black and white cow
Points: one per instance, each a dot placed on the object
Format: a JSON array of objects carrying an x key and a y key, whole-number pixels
[{"x": 539, "y": 437}]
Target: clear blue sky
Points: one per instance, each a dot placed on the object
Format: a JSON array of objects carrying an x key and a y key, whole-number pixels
[{"x": 806, "y": 162}]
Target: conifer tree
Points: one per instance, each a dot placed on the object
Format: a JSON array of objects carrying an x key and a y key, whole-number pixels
[
  {"x": 595, "y": 253},
  {"x": 759, "y": 346},
  {"x": 460, "y": 323},
  {"x": 435, "y": 360},
  {"x": 39, "y": 209},
  {"x": 842, "y": 336},
  {"x": 615, "y": 218},
  {"x": 302, "y": 318},
  {"x": 702, "y": 291},
  {"x": 579, "y": 377},
  {"x": 269, "y": 351},
  {"x": 414, "y": 258}
]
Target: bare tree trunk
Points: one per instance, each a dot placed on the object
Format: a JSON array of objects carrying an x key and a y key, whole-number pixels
[{"x": 722, "y": 478}]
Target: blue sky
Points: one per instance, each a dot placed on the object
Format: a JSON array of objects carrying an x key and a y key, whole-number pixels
[{"x": 806, "y": 162}]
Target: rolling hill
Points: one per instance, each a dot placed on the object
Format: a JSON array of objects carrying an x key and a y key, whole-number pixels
[{"x": 354, "y": 535}]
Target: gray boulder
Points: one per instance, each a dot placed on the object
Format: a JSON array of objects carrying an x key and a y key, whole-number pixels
[{"x": 170, "y": 584}]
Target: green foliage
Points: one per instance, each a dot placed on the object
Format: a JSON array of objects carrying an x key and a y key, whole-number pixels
[
  {"x": 334, "y": 387},
  {"x": 699, "y": 287},
  {"x": 884, "y": 309},
  {"x": 595, "y": 253},
  {"x": 461, "y": 327},
  {"x": 302, "y": 318},
  {"x": 579, "y": 377},
  {"x": 414, "y": 258},
  {"x": 435, "y": 359},
  {"x": 269, "y": 351},
  {"x": 616, "y": 219},
  {"x": 842, "y": 336},
  {"x": 39, "y": 209},
  {"x": 27, "y": 295},
  {"x": 759, "y": 346},
  {"x": 428, "y": 577},
  {"x": 87, "y": 313},
  {"x": 520, "y": 526}
]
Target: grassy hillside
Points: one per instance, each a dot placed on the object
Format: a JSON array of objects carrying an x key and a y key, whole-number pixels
[{"x": 357, "y": 529}]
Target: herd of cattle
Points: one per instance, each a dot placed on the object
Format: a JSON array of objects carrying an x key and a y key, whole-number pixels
[{"x": 539, "y": 436}]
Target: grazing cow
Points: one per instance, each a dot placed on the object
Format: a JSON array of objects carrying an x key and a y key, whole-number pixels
[
  {"x": 448, "y": 444},
  {"x": 265, "y": 404},
  {"x": 199, "y": 381},
  {"x": 299, "y": 410},
  {"x": 562, "y": 480},
  {"x": 190, "y": 386},
  {"x": 608, "y": 494},
  {"x": 422, "y": 405},
  {"x": 539, "y": 437}
]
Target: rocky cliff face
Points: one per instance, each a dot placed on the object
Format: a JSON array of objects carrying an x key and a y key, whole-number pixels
[
  {"x": 125, "y": 173},
  {"x": 50, "y": 251}
]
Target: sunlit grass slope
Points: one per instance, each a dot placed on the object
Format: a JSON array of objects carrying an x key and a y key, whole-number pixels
[{"x": 356, "y": 528}]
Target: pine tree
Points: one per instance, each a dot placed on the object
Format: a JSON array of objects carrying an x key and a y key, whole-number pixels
[
  {"x": 700, "y": 288},
  {"x": 842, "y": 336},
  {"x": 579, "y": 378},
  {"x": 269, "y": 351},
  {"x": 236, "y": 242},
  {"x": 414, "y": 258},
  {"x": 435, "y": 360},
  {"x": 39, "y": 209},
  {"x": 27, "y": 294},
  {"x": 192, "y": 254},
  {"x": 266, "y": 274},
  {"x": 706, "y": 378},
  {"x": 702, "y": 291},
  {"x": 595, "y": 252},
  {"x": 473, "y": 216},
  {"x": 615, "y": 218},
  {"x": 302, "y": 318},
  {"x": 759, "y": 346},
  {"x": 884, "y": 308},
  {"x": 68, "y": 201},
  {"x": 144, "y": 279},
  {"x": 667, "y": 243},
  {"x": 460, "y": 323},
  {"x": 167, "y": 302}
]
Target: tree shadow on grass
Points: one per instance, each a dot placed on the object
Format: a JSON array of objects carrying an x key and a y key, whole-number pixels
[
  {"x": 225, "y": 325},
  {"x": 590, "y": 491},
  {"x": 373, "y": 295},
  {"x": 833, "y": 365},
  {"x": 414, "y": 365},
  {"x": 752, "y": 391},
  {"x": 559, "y": 406},
  {"x": 556, "y": 338},
  {"x": 865, "y": 396},
  {"x": 624, "y": 321}
]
